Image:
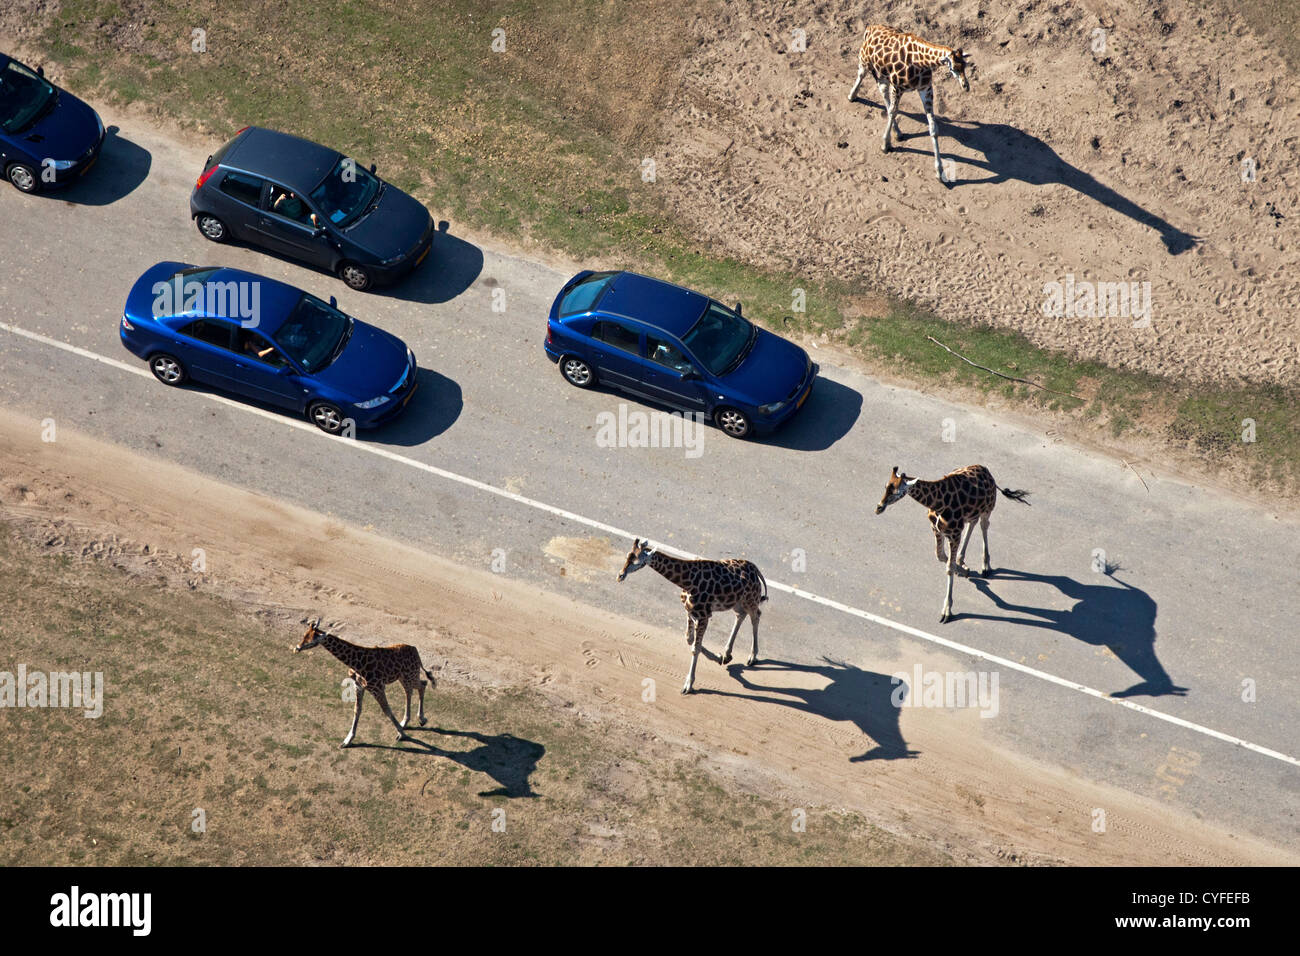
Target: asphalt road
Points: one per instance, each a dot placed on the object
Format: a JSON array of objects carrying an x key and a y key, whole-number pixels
[{"x": 1205, "y": 597}]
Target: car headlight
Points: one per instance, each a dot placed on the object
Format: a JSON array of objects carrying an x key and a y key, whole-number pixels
[
  {"x": 373, "y": 403},
  {"x": 410, "y": 357},
  {"x": 772, "y": 409},
  {"x": 100, "y": 123},
  {"x": 60, "y": 164}
]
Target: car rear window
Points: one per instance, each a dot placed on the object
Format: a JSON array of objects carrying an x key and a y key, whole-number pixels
[
  {"x": 210, "y": 331},
  {"x": 243, "y": 187},
  {"x": 583, "y": 296},
  {"x": 220, "y": 154}
]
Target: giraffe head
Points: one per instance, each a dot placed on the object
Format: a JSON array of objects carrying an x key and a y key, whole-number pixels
[
  {"x": 957, "y": 62},
  {"x": 899, "y": 485},
  {"x": 636, "y": 558},
  {"x": 312, "y": 637}
]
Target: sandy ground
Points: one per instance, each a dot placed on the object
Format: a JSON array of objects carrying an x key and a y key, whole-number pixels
[
  {"x": 1119, "y": 164},
  {"x": 92, "y": 501}
]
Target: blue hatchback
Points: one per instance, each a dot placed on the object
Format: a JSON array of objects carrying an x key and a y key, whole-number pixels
[
  {"x": 677, "y": 347},
  {"x": 267, "y": 341},
  {"x": 48, "y": 137}
]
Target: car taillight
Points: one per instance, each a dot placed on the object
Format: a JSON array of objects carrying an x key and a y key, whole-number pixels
[
  {"x": 204, "y": 178},
  {"x": 126, "y": 324},
  {"x": 548, "y": 334}
]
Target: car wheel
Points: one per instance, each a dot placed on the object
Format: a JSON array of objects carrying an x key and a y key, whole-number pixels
[
  {"x": 212, "y": 228},
  {"x": 326, "y": 417},
  {"x": 167, "y": 369},
  {"x": 577, "y": 372},
  {"x": 23, "y": 178},
  {"x": 732, "y": 421},
  {"x": 355, "y": 276}
]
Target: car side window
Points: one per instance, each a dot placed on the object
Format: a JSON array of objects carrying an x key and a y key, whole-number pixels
[
  {"x": 255, "y": 346},
  {"x": 620, "y": 337},
  {"x": 285, "y": 203},
  {"x": 665, "y": 353},
  {"x": 209, "y": 331},
  {"x": 245, "y": 188}
]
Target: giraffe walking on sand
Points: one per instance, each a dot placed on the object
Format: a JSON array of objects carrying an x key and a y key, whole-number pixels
[
  {"x": 955, "y": 502},
  {"x": 900, "y": 63},
  {"x": 372, "y": 669},
  {"x": 707, "y": 587}
]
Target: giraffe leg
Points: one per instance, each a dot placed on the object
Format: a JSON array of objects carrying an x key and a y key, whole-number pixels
[
  {"x": 853, "y": 93},
  {"x": 356, "y": 716},
  {"x": 754, "y": 615},
  {"x": 725, "y": 659},
  {"x": 388, "y": 711},
  {"x": 884, "y": 91},
  {"x": 953, "y": 542},
  {"x": 968, "y": 532},
  {"x": 891, "y": 116},
  {"x": 938, "y": 547},
  {"x": 406, "y": 714},
  {"x": 984, "y": 528},
  {"x": 423, "y": 685},
  {"x": 700, "y": 627},
  {"x": 927, "y": 103}
]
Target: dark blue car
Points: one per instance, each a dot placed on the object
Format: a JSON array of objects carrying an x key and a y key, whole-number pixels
[
  {"x": 676, "y": 347},
  {"x": 48, "y": 137},
  {"x": 267, "y": 341}
]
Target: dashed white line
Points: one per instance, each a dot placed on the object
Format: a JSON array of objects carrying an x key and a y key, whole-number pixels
[{"x": 619, "y": 532}]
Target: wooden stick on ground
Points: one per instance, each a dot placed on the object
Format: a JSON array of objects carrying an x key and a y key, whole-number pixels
[{"x": 1010, "y": 378}]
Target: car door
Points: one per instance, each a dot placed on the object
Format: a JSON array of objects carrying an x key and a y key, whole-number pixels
[
  {"x": 285, "y": 224},
  {"x": 669, "y": 376},
  {"x": 263, "y": 373},
  {"x": 616, "y": 354},
  {"x": 206, "y": 347},
  {"x": 238, "y": 201}
]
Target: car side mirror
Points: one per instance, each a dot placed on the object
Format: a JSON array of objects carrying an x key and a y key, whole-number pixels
[
  {"x": 372, "y": 169},
  {"x": 688, "y": 375},
  {"x": 738, "y": 312},
  {"x": 318, "y": 232},
  {"x": 40, "y": 71},
  {"x": 334, "y": 303}
]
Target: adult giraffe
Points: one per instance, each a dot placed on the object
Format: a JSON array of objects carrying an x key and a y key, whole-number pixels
[{"x": 902, "y": 62}]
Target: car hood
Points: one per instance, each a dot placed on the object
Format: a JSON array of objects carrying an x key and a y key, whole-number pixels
[
  {"x": 393, "y": 227},
  {"x": 68, "y": 131},
  {"x": 772, "y": 370},
  {"x": 371, "y": 364}
]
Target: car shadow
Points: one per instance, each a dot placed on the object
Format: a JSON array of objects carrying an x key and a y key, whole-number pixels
[
  {"x": 828, "y": 415},
  {"x": 122, "y": 166},
  {"x": 1119, "y": 618},
  {"x": 863, "y": 698},
  {"x": 1010, "y": 153},
  {"x": 507, "y": 759},
  {"x": 436, "y": 405},
  {"x": 450, "y": 268}
]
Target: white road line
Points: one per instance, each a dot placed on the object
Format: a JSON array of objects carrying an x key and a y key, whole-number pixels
[{"x": 619, "y": 532}]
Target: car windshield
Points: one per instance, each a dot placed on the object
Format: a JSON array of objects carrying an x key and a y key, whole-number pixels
[
  {"x": 582, "y": 296},
  {"x": 24, "y": 97},
  {"x": 719, "y": 338},
  {"x": 346, "y": 193},
  {"x": 314, "y": 334}
]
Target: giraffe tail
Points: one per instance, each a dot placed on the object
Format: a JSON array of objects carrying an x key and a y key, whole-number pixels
[
  {"x": 1015, "y": 495},
  {"x": 764, "y": 580},
  {"x": 429, "y": 674}
]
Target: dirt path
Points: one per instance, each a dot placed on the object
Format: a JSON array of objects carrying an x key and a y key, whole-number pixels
[
  {"x": 93, "y": 501},
  {"x": 1121, "y": 164}
]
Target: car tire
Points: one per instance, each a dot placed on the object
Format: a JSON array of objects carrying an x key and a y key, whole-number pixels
[
  {"x": 355, "y": 277},
  {"x": 577, "y": 372},
  {"x": 168, "y": 369},
  {"x": 326, "y": 416},
  {"x": 23, "y": 178},
  {"x": 211, "y": 228},
  {"x": 733, "y": 421}
]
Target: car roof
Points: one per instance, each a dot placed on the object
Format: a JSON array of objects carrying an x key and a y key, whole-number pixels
[
  {"x": 275, "y": 299},
  {"x": 653, "y": 301},
  {"x": 298, "y": 163}
]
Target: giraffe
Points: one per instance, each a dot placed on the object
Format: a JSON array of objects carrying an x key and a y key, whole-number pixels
[
  {"x": 900, "y": 63},
  {"x": 707, "y": 586},
  {"x": 373, "y": 669},
  {"x": 955, "y": 501}
]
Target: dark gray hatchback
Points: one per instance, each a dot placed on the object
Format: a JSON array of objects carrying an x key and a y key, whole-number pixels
[{"x": 302, "y": 200}]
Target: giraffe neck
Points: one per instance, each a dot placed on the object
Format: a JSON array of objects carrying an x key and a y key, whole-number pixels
[
  {"x": 676, "y": 570},
  {"x": 349, "y": 654},
  {"x": 926, "y": 492},
  {"x": 929, "y": 54}
]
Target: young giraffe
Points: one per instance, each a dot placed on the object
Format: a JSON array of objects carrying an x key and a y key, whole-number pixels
[
  {"x": 373, "y": 669},
  {"x": 707, "y": 586},
  {"x": 900, "y": 63},
  {"x": 956, "y": 501}
]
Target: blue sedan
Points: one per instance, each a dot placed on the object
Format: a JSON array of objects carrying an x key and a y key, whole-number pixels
[
  {"x": 267, "y": 341},
  {"x": 676, "y": 347},
  {"x": 48, "y": 137}
]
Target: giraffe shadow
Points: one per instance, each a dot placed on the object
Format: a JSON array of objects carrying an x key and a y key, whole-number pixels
[
  {"x": 1012, "y": 154},
  {"x": 864, "y": 698},
  {"x": 507, "y": 759},
  {"x": 1119, "y": 618}
]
